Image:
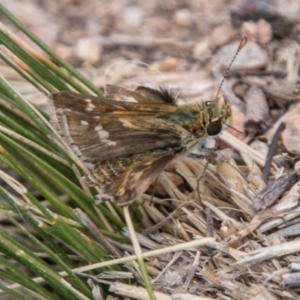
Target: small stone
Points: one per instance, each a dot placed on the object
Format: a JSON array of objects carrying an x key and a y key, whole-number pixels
[
  {"x": 202, "y": 51},
  {"x": 291, "y": 134},
  {"x": 265, "y": 32},
  {"x": 88, "y": 50},
  {"x": 221, "y": 35},
  {"x": 259, "y": 32},
  {"x": 170, "y": 64},
  {"x": 133, "y": 15},
  {"x": 249, "y": 29},
  {"x": 183, "y": 18}
]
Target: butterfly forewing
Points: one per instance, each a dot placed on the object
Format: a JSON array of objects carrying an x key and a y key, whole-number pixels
[{"x": 98, "y": 139}]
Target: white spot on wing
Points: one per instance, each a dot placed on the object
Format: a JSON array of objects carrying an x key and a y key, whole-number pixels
[
  {"x": 103, "y": 134},
  {"x": 130, "y": 99},
  {"x": 90, "y": 106},
  {"x": 127, "y": 124},
  {"x": 84, "y": 123},
  {"x": 109, "y": 142},
  {"x": 98, "y": 128}
]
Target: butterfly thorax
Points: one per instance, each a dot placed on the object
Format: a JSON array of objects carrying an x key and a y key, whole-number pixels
[{"x": 196, "y": 118}]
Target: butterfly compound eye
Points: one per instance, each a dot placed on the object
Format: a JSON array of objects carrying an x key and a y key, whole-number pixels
[{"x": 213, "y": 128}]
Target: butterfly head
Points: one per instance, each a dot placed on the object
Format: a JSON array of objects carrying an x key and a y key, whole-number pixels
[
  {"x": 218, "y": 113},
  {"x": 206, "y": 119}
]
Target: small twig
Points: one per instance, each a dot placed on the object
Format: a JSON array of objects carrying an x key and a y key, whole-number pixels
[
  {"x": 192, "y": 271},
  {"x": 271, "y": 152}
]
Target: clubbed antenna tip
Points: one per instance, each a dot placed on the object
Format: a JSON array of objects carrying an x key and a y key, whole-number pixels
[{"x": 240, "y": 47}]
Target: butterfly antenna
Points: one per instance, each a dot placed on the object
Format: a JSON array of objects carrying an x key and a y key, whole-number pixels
[{"x": 241, "y": 46}]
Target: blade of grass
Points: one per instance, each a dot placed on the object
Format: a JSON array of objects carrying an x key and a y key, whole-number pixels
[
  {"x": 23, "y": 74},
  {"x": 20, "y": 253},
  {"x": 14, "y": 293},
  {"x": 22, "y": 105},
  {"x": 52, "y": 254},
  {"x": 61, "y": 207},
  {"x": 61, "y": 74},
  {"x": 11, "y": 106},
  {"x": 83, "y": 245},
  {"x": 49, "y": 51},
  {"x": 27, "y": 137},
  {"x": 15, "y": 275},
  {"x": 33, "y": 64},
  {"x": 138, "y": 252},
  {"x": 61, "y": 230},
  {"x": 79, "y": 196}
]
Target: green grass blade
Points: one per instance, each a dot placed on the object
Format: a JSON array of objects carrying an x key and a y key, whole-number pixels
[
  {"x": 23, "y": 255},
  {"x": 49, "y": 51},
  {"x": 22, "y": 105},
  {"x": 45, "y": 75},
  {"x": 17, "y": 276}
]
